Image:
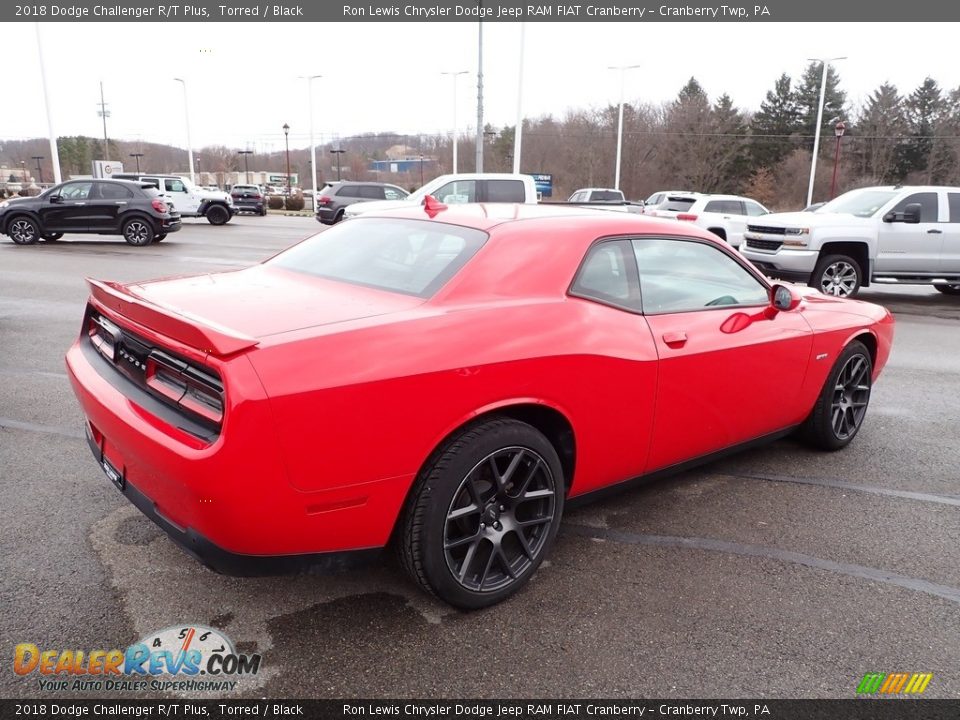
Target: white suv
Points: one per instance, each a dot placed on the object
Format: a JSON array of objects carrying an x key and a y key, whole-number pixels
[{"x": 725, "y": 216}]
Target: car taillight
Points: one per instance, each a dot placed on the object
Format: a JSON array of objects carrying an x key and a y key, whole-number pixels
[
  {"x": 323, "y": 200},
  {"x": 186, "y": 386},
  {"x": 159, "y": 205},
  {"x": 686, "y": 216}
]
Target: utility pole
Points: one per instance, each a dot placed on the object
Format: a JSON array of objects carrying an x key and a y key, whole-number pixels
[
  {"x": 246, "y": 168},
  {"x": 104, "y": 113}
]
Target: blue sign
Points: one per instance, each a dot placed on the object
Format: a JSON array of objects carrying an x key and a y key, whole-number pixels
[{"x": 544, "y": 183}]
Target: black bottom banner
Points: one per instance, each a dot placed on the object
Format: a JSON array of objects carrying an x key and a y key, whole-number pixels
[{"x": 854, "y": 709}]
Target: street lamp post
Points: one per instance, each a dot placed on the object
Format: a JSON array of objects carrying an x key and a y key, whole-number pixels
[
  {"x": 518, "y": 130},
  {"x": 816, "y": 137},
  {"x": 453, "y": 76},
  {"x": 623, "y": 72},
  {"x": 286, "y": 138},
  {"x": 186, "y": 113},
  {"x": 421, "y": 170},
  {"x": 313, "y": 148},
  {"x": 338, "y": 152},
  {"x": 38, "y": 158},
  {"x": 838, "y": 130},
  {"x": 54, "y": 152},
  {"x": 104, "y": 113},
  {"x": 23, "y": 169},
  {"x": 246, "y": 168},
  {"x": 137, "y": 156}
]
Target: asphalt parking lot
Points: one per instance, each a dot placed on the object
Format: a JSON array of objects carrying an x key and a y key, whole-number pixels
[{"x": 779, "y": 572}]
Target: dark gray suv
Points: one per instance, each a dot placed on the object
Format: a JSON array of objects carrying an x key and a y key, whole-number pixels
[{"x": 332, "y": 200}]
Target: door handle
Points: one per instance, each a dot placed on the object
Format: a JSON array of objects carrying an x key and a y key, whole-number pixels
[
  {"x": 79, "y": 203},
  {"x": 121, "y": 202},
  {"x": 675, "y": 339},
  {"x": 934, "y": 232},
  {"x": 726, "y": 217}
]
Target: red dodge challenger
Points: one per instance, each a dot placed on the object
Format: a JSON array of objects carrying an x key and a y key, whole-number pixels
[{"x": 444, "y": 380}]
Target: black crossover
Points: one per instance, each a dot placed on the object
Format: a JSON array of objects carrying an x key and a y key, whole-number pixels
[{"x": 103, "y": 207}]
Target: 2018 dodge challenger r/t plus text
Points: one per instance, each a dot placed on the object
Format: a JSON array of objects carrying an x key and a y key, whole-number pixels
[{"x": 443, "y": 380}]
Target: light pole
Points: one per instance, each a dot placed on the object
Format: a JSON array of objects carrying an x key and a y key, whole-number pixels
[
  {"x": 23, "y": 169},
  {"x": 186, "y": 113},
  {"x": 104, "y": 113},
  {"x": 479, "y": 152},
  {"x": 286, "y": 138},
  {"x": 338, "y": 152},
  {"x": 623, "y": 72},
  {"x": 137, "y": 156},
  {"x": 199, "y": 172},
  {"x": 518, "y": 130},
  {"x": 54, "y": 153},
  {"x": 816, "y": 138},
  {"x": 453, "y": 76},
  {"x": 421, "y": 170},
  {"x": 38, "y": 158},
  {"x": 313, "y": 149},
  {"x": 838, "y": 130},
  {"x": 246, "y": 168}
]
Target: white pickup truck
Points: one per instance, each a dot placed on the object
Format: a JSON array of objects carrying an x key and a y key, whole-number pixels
[
  {"x": 460, "y": 188},
  {"x": 872, "y": 235},
  {"x": 188, "y": 199}
]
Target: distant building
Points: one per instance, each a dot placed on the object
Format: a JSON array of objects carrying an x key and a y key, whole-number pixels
[{"x": 404, "y": 165}]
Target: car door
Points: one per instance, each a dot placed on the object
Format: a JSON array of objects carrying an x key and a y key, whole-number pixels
[
  {"x": 950, "y": 250},
  {"x": 68, "y": 210},
  {"x": 107, "y": 201},
  {"x": 720, "y": 382},
  {"x": 177, "y": 194},
  {"x": 911, "y": 247}
]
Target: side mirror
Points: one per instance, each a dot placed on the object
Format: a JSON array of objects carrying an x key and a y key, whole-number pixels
[
  {"x": 55, "y": 199},
  {"x": 910, "y": 214},
  {"x": 783, "y": 298}
]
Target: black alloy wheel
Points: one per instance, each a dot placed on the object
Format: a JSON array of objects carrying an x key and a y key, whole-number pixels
[
  {"x": 137, "y": 232},
  {"x": 483, "y": 513},
  {"x": 23, "y": 231},
  {"x": 842, "y": 405}
]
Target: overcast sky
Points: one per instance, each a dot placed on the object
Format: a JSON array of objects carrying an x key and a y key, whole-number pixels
[{"x": 243, "y": 82}]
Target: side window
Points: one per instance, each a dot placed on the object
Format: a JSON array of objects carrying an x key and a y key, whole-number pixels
[
  {"x": 352, "y": 191},
  {"x": 755, "y": 209},
  {"x": 109, "y": 191},
  {"x": 608, "y": 275},
  {"x": 152, "y": 181},
  {"x": 76, "y": 191},
  {"x": 461, "y": 191},
  {"x": 928, "y": 205},
  {"x": 953, "y": 199},
  {"x": 735, "y": 207},
  {"x": 508, "y": 191},
  {"x": 715, "y": 206},
  {"x": 682, "y": 276},
  {"x": 173, "y": 185},
  {"x": 371, "y": 192}
]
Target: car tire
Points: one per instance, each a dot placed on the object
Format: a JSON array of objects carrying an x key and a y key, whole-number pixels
[
  {"x": 23, "y": 231},
  {"x": 137, "y": 231},
  {"x": 837, "y": 275},
  {"x": 337, "y": 218},
  {"x": 51, "y": 237},
  {"x": 482, "y": 514},
  {"x": 842, "y": 404},
  {"x": 948, "y": 288},
  {"x": 720, "y": 233},
  {"x": 217, "y": 215},
  {"x": 160, "y": 237}
]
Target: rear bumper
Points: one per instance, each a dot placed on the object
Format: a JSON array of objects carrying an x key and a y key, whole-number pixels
[{"x": 227, "y": 502}]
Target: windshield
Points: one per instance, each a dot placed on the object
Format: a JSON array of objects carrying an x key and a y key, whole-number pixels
[
  {"x": 413, "y": 257},
  {"x": 603, "y": 195},
  {"x": 859, "y": 203}
]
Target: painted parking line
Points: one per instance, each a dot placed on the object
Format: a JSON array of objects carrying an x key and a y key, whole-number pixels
[
  {"x": 9, "y": 423},
  {"x": 843, "y": 485}
]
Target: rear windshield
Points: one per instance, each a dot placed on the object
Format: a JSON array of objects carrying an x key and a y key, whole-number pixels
[
  {"x": 413, "y": 257},
  {"x": 603, "y": 195},
  {"x": 677, "y": 204}
]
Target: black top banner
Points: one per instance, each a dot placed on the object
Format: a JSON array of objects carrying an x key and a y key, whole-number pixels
[
  {"x": 486, "y": 10},
  {"x": 543, "y": 709}
]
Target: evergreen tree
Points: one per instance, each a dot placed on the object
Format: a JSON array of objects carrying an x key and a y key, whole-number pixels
[
  {"x": 777, "y": 119},
  {"x": 924, "y": 107},
  {"x": 808, "y": 101},
  {"x": 881, "y": 126},
  {"x": 729, "y": 144}
]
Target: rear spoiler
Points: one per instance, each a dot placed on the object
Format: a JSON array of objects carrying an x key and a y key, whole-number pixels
[{"x": 197, "y": 333}]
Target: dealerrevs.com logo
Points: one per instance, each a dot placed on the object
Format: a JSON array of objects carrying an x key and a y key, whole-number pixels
[{"x": 182, "y": 658}]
